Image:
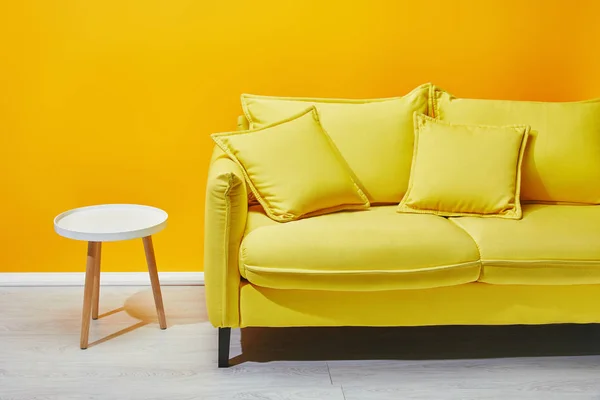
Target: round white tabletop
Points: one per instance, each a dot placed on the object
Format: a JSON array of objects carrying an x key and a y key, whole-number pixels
[{"x": 110, "y": 222}]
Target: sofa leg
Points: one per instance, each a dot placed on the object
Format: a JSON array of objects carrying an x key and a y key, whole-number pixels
[{"x": 224, "y": 339}]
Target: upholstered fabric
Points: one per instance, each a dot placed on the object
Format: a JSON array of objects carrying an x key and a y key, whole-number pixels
[
  {"x": 470, "y": 304},
  {"x": 226, "y": 208},
  {"x": 218, "y": 154},
  {"x": 562, "y": 162},
  {"x": 377, "y": 249},
  {"x": 293, "y": 168},
  {"x": 242, "y": 123},
  {"x": 550, "y": 245},
  {"x": 465, "y": 169},
  {"x": 375, "y": 136}
]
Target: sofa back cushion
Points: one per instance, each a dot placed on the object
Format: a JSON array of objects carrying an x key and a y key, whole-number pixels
[
  {"x": 375, "y": 136},
  {"x": 562, "y": 157}
]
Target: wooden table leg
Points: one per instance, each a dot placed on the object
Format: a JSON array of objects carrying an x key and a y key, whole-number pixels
[
  {"x": 96, "y": 292},
  {"x": 151, "y": 261},
  {"x": 90, "y": 270}
]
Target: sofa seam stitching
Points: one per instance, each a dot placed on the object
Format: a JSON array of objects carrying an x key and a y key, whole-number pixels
[
  {"x": 226, "y": 246},
  {"x": 458, "y": 225},
  {"x": 571, "y": 263},
  {"x": 255, "y": 269}
]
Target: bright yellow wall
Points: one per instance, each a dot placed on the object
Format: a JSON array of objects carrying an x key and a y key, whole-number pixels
[{"x": 114, "y": 100}]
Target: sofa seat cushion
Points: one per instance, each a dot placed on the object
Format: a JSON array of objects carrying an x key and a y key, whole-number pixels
[
  {"x": 550, "y": 245},
  {"x": 376, "y": 249}
]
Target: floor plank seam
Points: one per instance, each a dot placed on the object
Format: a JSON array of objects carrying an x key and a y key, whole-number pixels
[
  {"x": 343, "y": 393},
  {"x": 329, "y": 372}
]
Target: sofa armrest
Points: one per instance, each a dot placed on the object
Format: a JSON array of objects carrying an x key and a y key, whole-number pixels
[{"x": 226, "y": 209}]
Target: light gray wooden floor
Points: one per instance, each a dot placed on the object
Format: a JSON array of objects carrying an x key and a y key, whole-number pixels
[{"x": 131, "y": 358}]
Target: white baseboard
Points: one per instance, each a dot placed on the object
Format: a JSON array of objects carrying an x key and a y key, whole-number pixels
[{"x": 106, "y": 278}]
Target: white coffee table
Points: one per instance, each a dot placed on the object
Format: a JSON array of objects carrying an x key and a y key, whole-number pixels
[{"x": 110, "y": 223}]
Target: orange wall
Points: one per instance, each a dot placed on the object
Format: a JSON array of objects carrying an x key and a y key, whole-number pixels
[{"x": 114, "y": 100}]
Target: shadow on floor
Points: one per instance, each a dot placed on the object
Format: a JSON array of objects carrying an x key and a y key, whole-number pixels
[
  {"x": 183, "y": 305},
  {"x": 417, "y": 343},
  {"x": 118, "y": 333}
]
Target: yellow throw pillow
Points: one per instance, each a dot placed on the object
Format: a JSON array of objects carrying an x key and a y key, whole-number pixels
[
  {"x": 465, "y": 170},
  {"x": 374, "y": 136},
  {"x": 293, "y": 168},
  {"x": 562, "y": 160}
]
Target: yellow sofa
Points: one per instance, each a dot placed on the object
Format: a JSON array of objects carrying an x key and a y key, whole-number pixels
[{"x": 383, "y": 268}]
